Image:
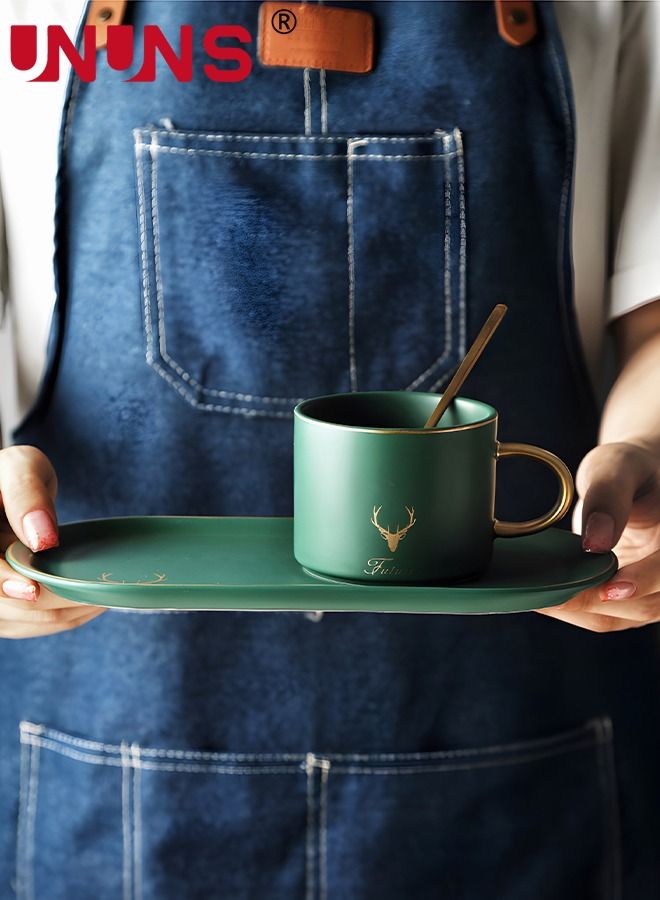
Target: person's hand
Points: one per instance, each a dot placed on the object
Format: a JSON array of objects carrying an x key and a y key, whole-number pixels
[
  {"x": 619, "y": 507},
  {"x": 27, "y": 492}
]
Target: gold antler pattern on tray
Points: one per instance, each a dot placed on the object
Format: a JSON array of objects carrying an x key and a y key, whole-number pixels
[{"x": 106, "y": 578}]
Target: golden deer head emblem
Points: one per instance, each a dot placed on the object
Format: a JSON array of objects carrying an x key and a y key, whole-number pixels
[{"x": 393, "y": 537}]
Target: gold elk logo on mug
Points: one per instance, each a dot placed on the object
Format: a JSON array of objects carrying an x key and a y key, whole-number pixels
[
  {"x": 393, "y": 537},
  {"x": 367, "y": 471}
]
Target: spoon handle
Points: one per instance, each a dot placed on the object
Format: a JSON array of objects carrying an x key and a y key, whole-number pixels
[{"x": 469, "y": 360}]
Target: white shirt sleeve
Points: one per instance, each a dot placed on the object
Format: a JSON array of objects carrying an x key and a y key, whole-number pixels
[{"x": 635, "y": 162}]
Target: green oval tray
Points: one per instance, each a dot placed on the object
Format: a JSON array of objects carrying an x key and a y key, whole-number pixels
[{"x": 185, "y": 563}]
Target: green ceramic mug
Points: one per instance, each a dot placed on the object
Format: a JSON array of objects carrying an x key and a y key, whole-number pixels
[{"x": 377, "y": 497}]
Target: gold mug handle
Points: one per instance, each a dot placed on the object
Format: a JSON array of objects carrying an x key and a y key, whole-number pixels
[{"x": 564, "y": 497}]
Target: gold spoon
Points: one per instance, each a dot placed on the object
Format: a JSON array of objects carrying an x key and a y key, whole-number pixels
[{"x": 470, "y": 358}]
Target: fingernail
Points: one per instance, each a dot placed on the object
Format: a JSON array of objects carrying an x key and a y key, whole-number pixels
[
  {"x": 618, "y": 590},
  {"x": 20, "y": 590},
  {"x": 599, "y": 533},
  {"x": 40, "y": 531}
]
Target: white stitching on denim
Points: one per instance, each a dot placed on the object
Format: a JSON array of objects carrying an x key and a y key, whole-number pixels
[
  {"x": 146, "y": 291},
  {"x": 191, "y": 151},
  {"x": 394, "y": 157},
  {"x": 160, "y": 300},
  {"x": 200, "y": 769},
  {"x": 213, "y": 136},
  {"x": 127, "y": 856},
  {"x": 253, "y": 154},
  {"x": 308, "y": 102},
  {"x": 351, "y": 144},
  {"x": 462, "y": 253},
  {"x": 28, "y": 728},
  {"x": 351, "y": 263},
  {"x": 219, "y": 770},
  {"x": 323, "y": 830},
  {"x": 30, "y": 823},
  {"x": 63, "y": 750},
  {"x": 137, "y": 822},
  {"x": 462, "y": 258},
  {"x": 31, "y": 730},
  {"x": 446, "y": 280},
  {"x": 216, "y": 407},
  {"x": 442, "y": 380},
  {"x": 514, "y": 759},
  {"x": 21, "y": 824},
  {"x": 324, "y": 101},
  {"x": 154, "y": 149},
  {"x": 309, "y": 830},
  {"x": 155, "y": 229},
  {"x": 590, "y": 728}
]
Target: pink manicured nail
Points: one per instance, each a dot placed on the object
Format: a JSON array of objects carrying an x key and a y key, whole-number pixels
[
  {"x": 20, "y": 590},
  {"x": 40, "y": 531},
  {"x": 618, "y": 590},
  {"x": 599, "y": 533}
]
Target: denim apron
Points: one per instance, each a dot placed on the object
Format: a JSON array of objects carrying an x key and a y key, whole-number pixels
[{"x": 223, "y": 250}]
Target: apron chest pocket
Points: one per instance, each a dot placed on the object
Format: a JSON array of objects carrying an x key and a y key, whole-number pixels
[{"x": 276, "y": 268}]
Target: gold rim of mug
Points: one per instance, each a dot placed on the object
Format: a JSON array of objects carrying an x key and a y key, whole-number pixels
[{"x": 452, "y": 428}]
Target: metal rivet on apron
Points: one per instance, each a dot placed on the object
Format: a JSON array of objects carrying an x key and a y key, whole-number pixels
[{"x": 518, "y": 17}]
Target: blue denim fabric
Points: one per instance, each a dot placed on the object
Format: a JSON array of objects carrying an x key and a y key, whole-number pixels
[{"x": 214, "y": 263}]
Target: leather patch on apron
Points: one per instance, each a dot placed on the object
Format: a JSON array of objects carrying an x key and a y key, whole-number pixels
[
  {"x": 304, "y": 35},
  {"x": 516, "y": 21},
  {"x": 103, "y": 13}
]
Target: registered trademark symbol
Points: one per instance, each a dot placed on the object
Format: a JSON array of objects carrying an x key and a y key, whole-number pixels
[{"x": 283, "y": 21}]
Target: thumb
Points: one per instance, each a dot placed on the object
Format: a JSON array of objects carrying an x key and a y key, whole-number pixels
[{"x": 607, "y": 480}]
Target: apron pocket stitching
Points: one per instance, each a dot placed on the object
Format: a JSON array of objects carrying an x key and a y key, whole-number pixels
[
  {"x": 146, "y": 291},
  {"x": 160, "y": 300},
  {"x": 30, "y": 729},
  {"x": 152, "y": 268},
  {"x": 316, "y": 851},
  {"x": 446, "y": 156},
  {"x": 593, "y": 735},
  {"x": 458, "y": 153},
  {"x": 448, "y": 140},
  {"x": 137, "y": 821},
  {"x": 467, "y": 766},
  {"x": 126, "y": 822},
  {"x": 193, "y": 768},
  {"x": 217, "y": 136},
  {"x": 599, "y": 730},
  {"x": 28, "y": 794}
]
